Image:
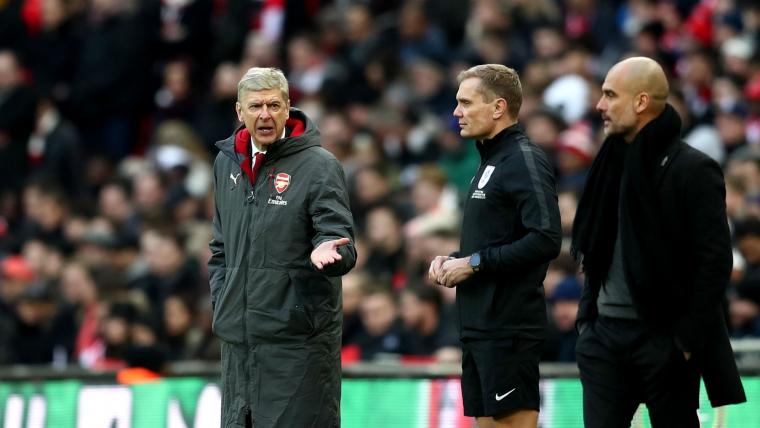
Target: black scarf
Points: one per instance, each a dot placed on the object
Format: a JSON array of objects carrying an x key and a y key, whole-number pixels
[{"x": 626, "y": 169}]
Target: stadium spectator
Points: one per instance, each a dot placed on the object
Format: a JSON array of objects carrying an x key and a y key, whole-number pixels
[
  {"x": 308, "y": 67},
  {"x": 337, "y": 133},
  {"x": 568, "y": 205},
  {"x": 430, "y": 333},
  {"x": 457, "y": 157},
  {"x": 170, "y": 270},
  {"x": 544, "y": 126},
  {"x": 54, "y": 151},
  {"x": 369, "y": 188},
  {"x": 175, "y": 99},
  {"x": 575, "y": 151},
  {"x": 181, "y": 337},
  {"x": 46, "y": 207},
  {"x": 731, "y": 124},
  {"x": 209, "y": 347},
  {"x": 18, "y": 104},
  {"x": 215, "y": 118},
  {"x": 15, "y": 277},
  {"x": 82, "y": 299},
  {"x": 45, "y": 260},
  {"x": 702, "y": 136},
  {"x": 115, "y": 330},
  {"x": 150, "y": 193},
  {"x": 355, "y": 285},
  {"x": 745, "y": 300},
  {"x": 385, "y": 246},
  {"x": 563, "y": 308},
  {"x": 41, "y": 335},
  {"x": 383, "y": 336},
  {"x": 106, "y": 92}
]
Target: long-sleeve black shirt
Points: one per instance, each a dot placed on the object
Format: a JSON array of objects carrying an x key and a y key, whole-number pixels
[{"x": 512, "y": 219}]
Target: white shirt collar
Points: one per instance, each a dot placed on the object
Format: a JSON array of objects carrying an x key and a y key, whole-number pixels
[{"x": 255, "y": 149}]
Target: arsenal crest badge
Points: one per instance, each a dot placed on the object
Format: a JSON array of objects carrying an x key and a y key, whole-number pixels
[{"x": 281, "y": 182}]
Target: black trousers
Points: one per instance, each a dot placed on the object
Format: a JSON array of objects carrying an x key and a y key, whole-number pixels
[{"x": 622, "y": 364}]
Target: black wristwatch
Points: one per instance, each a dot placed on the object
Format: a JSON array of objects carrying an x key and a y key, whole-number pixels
[{"x": 475, "y": 262}]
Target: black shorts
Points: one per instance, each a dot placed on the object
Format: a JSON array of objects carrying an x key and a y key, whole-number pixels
[{"x": 500, "y": 376}]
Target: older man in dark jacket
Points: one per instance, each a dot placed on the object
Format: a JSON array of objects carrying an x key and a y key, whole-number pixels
[
  {"x": 652, "y": 232},
  {"x": 282, "y": 236}
]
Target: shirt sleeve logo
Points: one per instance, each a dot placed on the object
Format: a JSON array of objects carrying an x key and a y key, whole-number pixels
[{"x": 486, "y": 176}]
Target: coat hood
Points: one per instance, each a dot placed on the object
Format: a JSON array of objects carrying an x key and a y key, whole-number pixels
[{"x": 301, "y": 133}]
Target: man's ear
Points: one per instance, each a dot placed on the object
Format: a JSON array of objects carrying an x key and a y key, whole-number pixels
[
  {"x": 500, "y": 108},
  {"x": 239, "y": 110},
  {"x": 642, "y": 102}
]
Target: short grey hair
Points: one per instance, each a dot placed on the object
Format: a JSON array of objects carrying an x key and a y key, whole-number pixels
[{"x": 263, "y": 78}]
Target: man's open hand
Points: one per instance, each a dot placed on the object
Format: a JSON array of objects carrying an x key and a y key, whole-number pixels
[{"x": 327, "y": 252}]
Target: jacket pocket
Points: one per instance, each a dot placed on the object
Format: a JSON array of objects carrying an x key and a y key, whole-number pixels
[
  {"x": 279, "y": 326},
  {"x": 320, "y": 296},
  {"x": 318, "y": 292},
  {"x": 275, "y": 313},
  {"x": 227, "y": 321}
]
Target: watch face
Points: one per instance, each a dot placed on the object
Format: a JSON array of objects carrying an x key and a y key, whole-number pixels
[{"x": 475, "y": 261}]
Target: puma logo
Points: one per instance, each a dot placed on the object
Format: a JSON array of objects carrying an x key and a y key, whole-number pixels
[{"x": 235, "y": 179}]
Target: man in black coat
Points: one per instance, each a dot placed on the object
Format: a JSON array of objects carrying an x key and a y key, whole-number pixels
[{"x": 652, "y": 233}]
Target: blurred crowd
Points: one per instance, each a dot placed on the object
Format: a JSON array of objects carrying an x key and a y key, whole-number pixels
[{"x": 109, "y": 111}]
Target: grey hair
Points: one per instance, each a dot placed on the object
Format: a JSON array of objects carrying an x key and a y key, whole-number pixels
[{"x": 263, "y": 78}]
